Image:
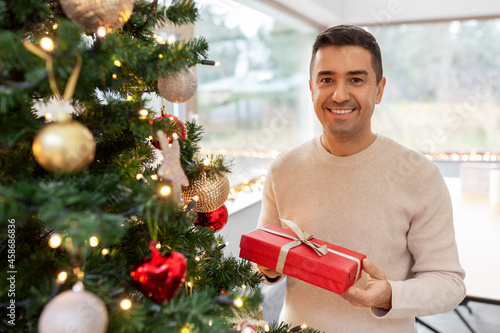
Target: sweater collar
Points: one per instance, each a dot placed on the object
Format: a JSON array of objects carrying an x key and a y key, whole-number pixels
[{"x": 368, "y": 153}]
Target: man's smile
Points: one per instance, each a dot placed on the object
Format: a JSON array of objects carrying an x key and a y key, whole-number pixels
[{"x": 340, "y": 111}]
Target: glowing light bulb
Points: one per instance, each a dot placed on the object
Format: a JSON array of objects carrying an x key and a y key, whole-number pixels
[
  {"x": 197, "y": 258},
  {"x": 129, "y": 98},
  {"x": 165, "y": 190},
  {"x": 159, "y": 39},
  {"x": 55, "y": 26},
  {"x": 114, "y": 76},
  {"x": 125, "y": 304},
  {"x": 175, "y": 136},
  {"x": 77, "y": 287},
  {"x": 117, "y": 63},
  {"x": 48, "y": 116},
  {"x": 267, "y": 328},
  {"x": 238, "y": 302},
  {"x": 93, "y": 241},
  {"x": 196, "y": 198},
  {"x": 55, "y": 241},
  {"x": 170, "y": 39},
  {"x": 143, "y": 113},
  {"x": 158, "y": 245},
  {"x": 47, "y": 44},
  {"x": 105, "y": 252},
  {"x": 160, "y": 56},
  {"x": 101, "y": 31},
  {"x": 206, "y": 162},
  {"x": 61, "y": 277},
  {"x": 154, "y": 177},
  {"x": 139, "y": 176}
]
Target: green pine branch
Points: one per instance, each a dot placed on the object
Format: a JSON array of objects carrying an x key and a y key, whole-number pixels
[{"x": 108, "y": 199}]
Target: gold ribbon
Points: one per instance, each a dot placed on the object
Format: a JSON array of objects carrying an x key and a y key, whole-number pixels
[
  {"x": 73, "y": 78},
  {"x": 303, "y": 237}
]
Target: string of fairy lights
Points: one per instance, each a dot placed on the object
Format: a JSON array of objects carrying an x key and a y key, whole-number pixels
[
  {"x": 56, "y": 240},
  {"x": 464, "y": 157}
]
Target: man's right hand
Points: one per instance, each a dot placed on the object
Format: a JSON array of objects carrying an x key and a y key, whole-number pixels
[{"x": 268, "y": 272}]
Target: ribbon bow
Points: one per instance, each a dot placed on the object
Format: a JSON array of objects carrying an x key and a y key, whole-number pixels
[{"x": 303, "y": 237}]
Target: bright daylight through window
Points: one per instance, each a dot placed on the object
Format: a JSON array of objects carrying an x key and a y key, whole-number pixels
[
  {"x": 256, "y": 103},
  {"x": 442, "y": 95}
]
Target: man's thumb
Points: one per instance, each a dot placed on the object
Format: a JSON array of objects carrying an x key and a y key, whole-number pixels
[{"x": 372, "y": 270}]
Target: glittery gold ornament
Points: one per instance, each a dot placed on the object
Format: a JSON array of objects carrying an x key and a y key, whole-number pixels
[
  {"x": 212, "y": 192},
  {"x": 93, "y": 14},
  {"x": 178, "y": 87},
  {"x": 64, "y": 147}
]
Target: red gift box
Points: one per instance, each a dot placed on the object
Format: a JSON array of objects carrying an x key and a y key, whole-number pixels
[{"x": 335, "y": 271}]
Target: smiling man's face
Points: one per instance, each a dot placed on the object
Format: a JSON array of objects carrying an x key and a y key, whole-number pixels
[{"x": 344, "y": 92}]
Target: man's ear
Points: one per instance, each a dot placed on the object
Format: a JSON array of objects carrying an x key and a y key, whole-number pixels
[
  {"x": 311, "y": 90},
  {"x": 380, "y": 90}
]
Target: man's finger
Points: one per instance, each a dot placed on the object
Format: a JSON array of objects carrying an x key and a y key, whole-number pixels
[
  {"x": 353, "y": 294},
  {"x": 373, "y": 270}
]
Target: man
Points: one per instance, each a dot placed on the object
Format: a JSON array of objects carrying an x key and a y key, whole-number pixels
[{"x": 365, "y": 192}]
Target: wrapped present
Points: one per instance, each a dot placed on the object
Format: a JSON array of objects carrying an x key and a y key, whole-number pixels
[{"x": 296, "y": 253}]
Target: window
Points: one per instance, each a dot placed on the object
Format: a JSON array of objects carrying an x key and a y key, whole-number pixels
[
  {"x": 442, "y": 93},
  {"x": 256, "y": 104}
]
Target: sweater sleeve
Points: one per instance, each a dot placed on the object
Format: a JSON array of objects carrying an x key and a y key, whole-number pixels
[
  {"x": 269, "y": 215},
  {"x": 269, "y": 211},
  {"x": 436, "y": 284}
]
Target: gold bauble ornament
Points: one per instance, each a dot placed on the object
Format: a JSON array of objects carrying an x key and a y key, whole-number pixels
[
  {"x": 72, "y": 311},
  {"x": 178, "y": 87},
  {"x": 93, "y": 14},
  {"x": 212, "y": 192},
  {"x": 64, "y": 147}
]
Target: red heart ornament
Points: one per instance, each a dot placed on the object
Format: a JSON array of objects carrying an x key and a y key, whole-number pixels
[{"x": 159, "y": 277}]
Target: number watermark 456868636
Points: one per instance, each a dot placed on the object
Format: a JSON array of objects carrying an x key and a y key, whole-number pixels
[{"x": 11, "y": 271}]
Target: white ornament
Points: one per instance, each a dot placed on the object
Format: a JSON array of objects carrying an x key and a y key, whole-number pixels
[
  {"x": 178, "y": 87},
  {"x": 76, "y": 312}
]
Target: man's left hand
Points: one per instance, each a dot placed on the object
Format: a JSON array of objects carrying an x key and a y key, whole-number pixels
[{"x": 377, "y": 293}]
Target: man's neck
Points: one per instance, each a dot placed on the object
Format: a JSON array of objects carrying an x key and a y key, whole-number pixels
[{"x": 339, "y": 146}]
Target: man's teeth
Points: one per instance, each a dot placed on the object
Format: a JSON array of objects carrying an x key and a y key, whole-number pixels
[{"x": 341, "y": 111}]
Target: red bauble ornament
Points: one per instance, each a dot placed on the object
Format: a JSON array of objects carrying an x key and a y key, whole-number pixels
[
  {"x": 246, "y": 326},
  {"x": 169, "y": 124},
  {"x": 214, "y": 220},
  {"x": 160, "y": 277}
]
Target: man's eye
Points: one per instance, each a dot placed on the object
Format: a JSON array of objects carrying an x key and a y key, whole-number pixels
[
  {"x": 357, "y": 80},
  {"x": 326, "y": 80}
]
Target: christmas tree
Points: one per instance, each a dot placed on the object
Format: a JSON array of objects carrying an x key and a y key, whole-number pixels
[{"x": 98, "y": 233}]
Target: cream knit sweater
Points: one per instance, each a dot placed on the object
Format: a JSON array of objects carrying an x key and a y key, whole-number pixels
[{"x": 387, "y": 202}]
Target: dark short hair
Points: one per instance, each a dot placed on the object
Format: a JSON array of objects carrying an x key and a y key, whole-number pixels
[{"x": 348, "y": 35}]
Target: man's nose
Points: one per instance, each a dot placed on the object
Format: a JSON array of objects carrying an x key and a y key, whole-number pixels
[{"x": 340, "y": 93}]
